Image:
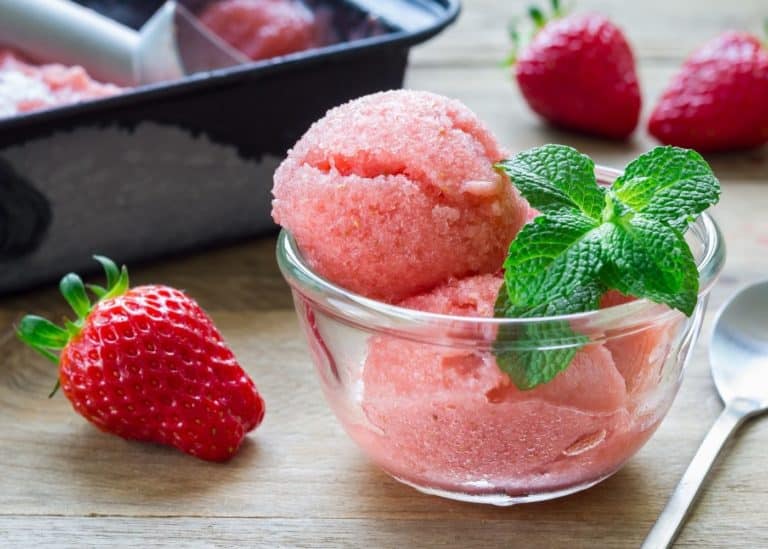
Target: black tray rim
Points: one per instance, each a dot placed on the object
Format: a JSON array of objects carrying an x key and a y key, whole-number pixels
[{"x": 242, "y": 73}]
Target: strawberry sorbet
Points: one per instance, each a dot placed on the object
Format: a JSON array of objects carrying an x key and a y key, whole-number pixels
[
  {"x": 262, "y": 28},
  {"x": 640, "y": 355},
  {"x": 394, "y": 193},
  {"x": 25, "y": 87},
  {"x": 448, "y": 417},
  {"x": 394, "y": 196}
]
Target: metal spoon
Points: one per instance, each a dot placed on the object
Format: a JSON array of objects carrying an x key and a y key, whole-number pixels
[{"x": 738, "y": 355}]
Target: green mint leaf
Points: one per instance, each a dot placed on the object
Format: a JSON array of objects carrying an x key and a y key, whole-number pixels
[
  {"x": 647, "y": 258},
  {"x": 587, "y": 241},
  {"x": 554, "y": 177},
  {"x": 579, "y": 299},
  {"x": 556, "y": 253},
  {"x": 533, "y": 354},
  {"x": 532, "y": 365},
  {"x": 668, "y": 183}
]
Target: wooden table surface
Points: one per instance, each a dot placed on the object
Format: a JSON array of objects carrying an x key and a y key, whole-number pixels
[{"x": 298, "y": 480}]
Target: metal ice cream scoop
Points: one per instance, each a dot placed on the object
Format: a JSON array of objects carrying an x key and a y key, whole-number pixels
[
  {"x": 738, "y": 354},
  {"x": 172, "y": 44}
]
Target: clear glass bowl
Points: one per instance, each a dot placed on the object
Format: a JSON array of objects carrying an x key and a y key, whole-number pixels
[{"x": 422, "y": 396}]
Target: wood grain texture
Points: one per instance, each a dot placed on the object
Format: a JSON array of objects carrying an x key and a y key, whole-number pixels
[{"x": 299, "y": 481}]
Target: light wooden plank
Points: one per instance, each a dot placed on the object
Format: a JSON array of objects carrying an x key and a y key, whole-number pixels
[
  {"x": 316, "y": 533},
  {"x": 324, "y": 533}
]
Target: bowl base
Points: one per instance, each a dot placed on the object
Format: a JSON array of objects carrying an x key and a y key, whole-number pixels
[{"x": 500, "y": 499}]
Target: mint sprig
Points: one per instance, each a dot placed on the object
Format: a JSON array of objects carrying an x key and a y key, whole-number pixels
[{"x": 589, "y": 239}]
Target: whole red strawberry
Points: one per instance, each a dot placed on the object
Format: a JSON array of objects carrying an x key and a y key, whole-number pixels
[
  {"x": 578, "y": 72},
  {"x": 719, "y": 99},
  {"x": 148, "y": 364}
]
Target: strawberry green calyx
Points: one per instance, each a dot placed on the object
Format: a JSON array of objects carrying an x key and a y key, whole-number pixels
[
  {"x": 558, "y": 10},
  {"x": 73, "y": 290},
  {"x": 765, "y": 33},
  {"x": 539, "y": 19},
  {"x": 117, "y": 279},
  {"x": 47, "y": 338}
]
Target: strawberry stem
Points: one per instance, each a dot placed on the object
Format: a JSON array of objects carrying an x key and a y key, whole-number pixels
[
  {"x": 48, "y": 339},
  {"x": 55, "y": 388},
  {"x": 521, "y": 39},
  {"x": 514, "y": 37}
]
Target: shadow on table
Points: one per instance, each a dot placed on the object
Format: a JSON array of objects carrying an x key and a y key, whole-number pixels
[
  {"x": 618, "y": 511},
  {"x": 127, "y": 472}
]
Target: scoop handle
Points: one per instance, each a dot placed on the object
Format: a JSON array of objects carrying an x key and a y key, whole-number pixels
[
  {"x": 679, "y": 506},
  {"x": 65, "y": 32}
]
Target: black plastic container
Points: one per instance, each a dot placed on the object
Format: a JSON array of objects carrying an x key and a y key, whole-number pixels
[{"x": 185, "y": 164}]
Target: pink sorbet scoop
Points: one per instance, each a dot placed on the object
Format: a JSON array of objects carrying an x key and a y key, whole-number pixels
[
  {"x": 447, "y": 416},
  {"x": 394, "y": 193}
]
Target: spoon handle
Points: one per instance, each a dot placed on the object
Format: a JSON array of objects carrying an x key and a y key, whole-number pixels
[
  {"x": 66, "y": 32},
  {"x": 671, "y": 520}
]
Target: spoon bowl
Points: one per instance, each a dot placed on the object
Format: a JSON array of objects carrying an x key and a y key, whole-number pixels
[{"x": 739, "y": 350}]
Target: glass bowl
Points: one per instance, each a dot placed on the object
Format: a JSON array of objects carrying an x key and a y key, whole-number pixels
[{"x": 421, "y": 393}]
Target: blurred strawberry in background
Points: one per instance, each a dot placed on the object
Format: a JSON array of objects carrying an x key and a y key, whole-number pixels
[
  {"x": 719, "y": 99},
  {"x": 578, "y": 72}
]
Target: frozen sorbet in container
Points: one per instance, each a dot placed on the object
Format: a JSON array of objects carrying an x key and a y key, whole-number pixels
[
  {"x": 395, "y": 193},
  {"x": 27, "y": 87},
  {"x": 263, "y": 28}
]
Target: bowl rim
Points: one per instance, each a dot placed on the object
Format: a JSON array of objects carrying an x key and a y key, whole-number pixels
[{"x": 371, "y": 313}]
